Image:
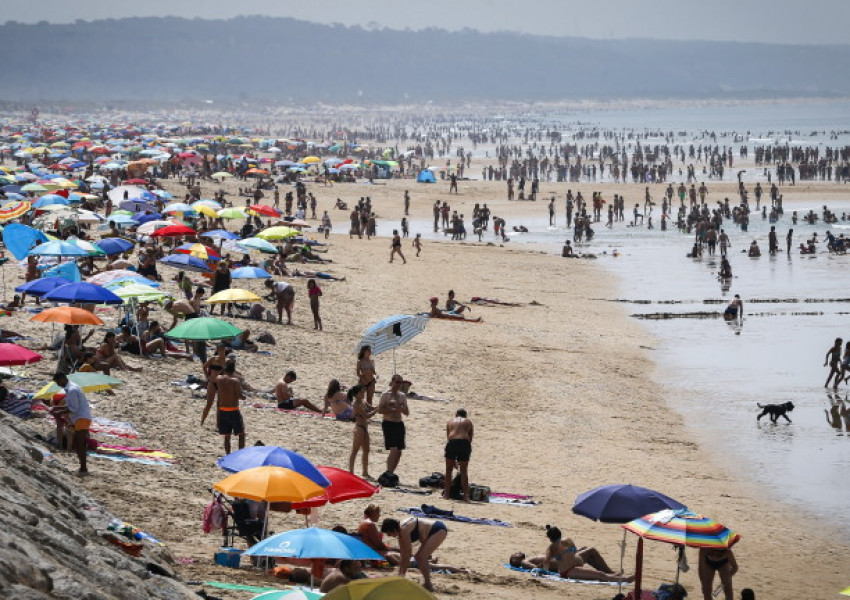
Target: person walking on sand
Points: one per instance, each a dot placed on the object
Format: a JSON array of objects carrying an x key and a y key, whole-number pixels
[
  {"x": 393, "y": 406},
  {"x": 362, "y": 414},
  {"x": 79, "y": 415},
  {"x": 230, "y": 422},
  {"x": 396, "y": 247},
  {"x": 833, "y": 358},
  {"x": 417, "y": 243},
  {"x": 459, "y": 431},
  {"x": 406, "y": 203}
]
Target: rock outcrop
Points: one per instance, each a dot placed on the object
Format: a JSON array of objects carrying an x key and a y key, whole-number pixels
[{"x": 54, "y": 539}]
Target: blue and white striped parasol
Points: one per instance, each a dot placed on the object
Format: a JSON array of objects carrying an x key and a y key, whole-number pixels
[{"x": 392, "y": 332}]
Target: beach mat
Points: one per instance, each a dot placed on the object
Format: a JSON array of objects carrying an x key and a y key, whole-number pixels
[
  {"x": 450, "y": 516},
  {"x": 550, "y": 576},
  {"x": 513, "y": 499}
]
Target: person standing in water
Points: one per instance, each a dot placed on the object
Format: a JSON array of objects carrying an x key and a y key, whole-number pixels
[
  {"x": 833, "y": 358},
  {"x": 735, "y": 310}
]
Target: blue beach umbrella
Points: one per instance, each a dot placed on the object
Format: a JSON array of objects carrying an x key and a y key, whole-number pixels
[
  {"x": 222, "y": 234},
  {"x": 58, "y": 248},
  {"x": 39, "y": 287},
  {"x": 186, "y": 262},
  {"x": 50, "y": 200},
  {"x": 314, "y": 542},
  {"x": 250, "y": 273},
  {"x": 272, "y": 456},
  {"x": 622, "y": 503},
  {"x": 19, "y": 239},
  {"x": 142, "y": 218},
  {"x": 114, "y": 245},
  {"x": 83, "y": 293}
]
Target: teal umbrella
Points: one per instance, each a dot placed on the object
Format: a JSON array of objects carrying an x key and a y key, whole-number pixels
[
  {"x": 204, "y": 328},
  {"x": 298, "y": 594},
  {"x": 58, "y": 248}
]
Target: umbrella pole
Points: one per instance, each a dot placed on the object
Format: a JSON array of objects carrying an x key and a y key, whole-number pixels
[
  {"x": 394, "y": 367},
  {"x": 622, "y": 556},
  {"x": 638, "y": 568}
]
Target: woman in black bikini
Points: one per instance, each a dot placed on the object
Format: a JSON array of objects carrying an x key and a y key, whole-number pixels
[
  {"x": 429, "y": 533},
  {"x": 721, "y": 561},
  {"x": 366, "y": 375},
  {"x": 576, "y": 563},
  {"x": 362, "y": 414}
]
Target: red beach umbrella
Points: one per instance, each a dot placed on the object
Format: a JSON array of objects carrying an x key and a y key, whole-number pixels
[
  {"x": 344, "y": 486},
  {"x": 174, "y": 231},
  {"x": 12, "y": 355}
]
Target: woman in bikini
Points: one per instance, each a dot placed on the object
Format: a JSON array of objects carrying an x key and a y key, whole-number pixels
[
  {"x": 107, "y": 355},
  {"x": 429, "y": 533},
  {"x": 335, "y": 399},
  {"x": 572, "y": 563},
  {"x": 362, "y": 414},
  {"x": 366, "y": 375},
  {"x": 716, "y": 560}
]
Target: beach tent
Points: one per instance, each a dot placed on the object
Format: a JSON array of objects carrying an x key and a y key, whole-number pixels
[{"x": 425, "y": 176}]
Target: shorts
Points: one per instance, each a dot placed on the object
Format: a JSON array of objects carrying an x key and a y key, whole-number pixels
[
  {"x": 394, "y": 434},
  {"x": 82, "y": 424},
  {"x": 286, "y": 404},
  {"x": 459, "y": 450},
  {"x": 230, "y": 422}
]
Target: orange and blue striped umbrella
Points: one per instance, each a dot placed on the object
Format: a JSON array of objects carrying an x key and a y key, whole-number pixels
[{"x": 684, "y": 528}]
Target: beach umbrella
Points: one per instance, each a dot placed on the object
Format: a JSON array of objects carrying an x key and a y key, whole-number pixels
[
  {"x": 185, "y": 262},
  {"x": 19, "y": 239},
  {"x": 313, "y": 542},
  {"x": 208, "y": 211},
  {"x": 265, "y": 210},
  {"x": 121, "y": 220},
  {"x": 50, "y": 200},
  {"x": 272, "y": 456},
  {"x": 344, "y": 486},
  {"x": 219, "y": 234},
  {"x": 12, "y": 355},
  {"x": 204, "y": 328},
  {"x": 221, "y": 175},
  {"x": 300, "y": 223},
  {"x": 296, "y": 594},
  {"x": 139, "y": 205},
  {"x": 233, "y": 295},
  {"x": 622, "y": 503},
  {"x": 69, "y": 315},
  {"x": 382, "y": 588},
  {"x": 39, "y": 287},
  {"x": 112, "y": 246},
  {"x": 137, "y": 292},
  {"x": 681, "y": 528},
  {"x": 178, "y": 207},
  {"x": 256, "y": 243},
  {"x": 90, "y": 248},
  {"x": 199, "y": 251},
  {"x": 269, "y": 484},
  {"x": 174, "y": 231},
  {"x": 120, "y": 274},
  {"x": 151, "y": 226},
  {"x": 58, "y": 248},
  {"x": 392, "y": 332},
  {"x": 89, "y": 382},
  {"x": 250, "y": 273},
  {"x": 83, "y": 293},
  {"x": 232, "y": 213},
  {"x": 14, "y": 210},
  {"x": 278, "y": 233}
]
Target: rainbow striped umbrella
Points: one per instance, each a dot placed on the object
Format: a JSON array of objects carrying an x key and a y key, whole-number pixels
[
  {"x": 13, "y": 210},
  {"x": 684, "y": 528}
]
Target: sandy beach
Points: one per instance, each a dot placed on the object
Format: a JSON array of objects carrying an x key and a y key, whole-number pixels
[{"x": 560, "y": 390}]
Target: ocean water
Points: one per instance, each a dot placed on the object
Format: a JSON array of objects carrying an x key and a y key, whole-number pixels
[{"x": 716, "y": 373}]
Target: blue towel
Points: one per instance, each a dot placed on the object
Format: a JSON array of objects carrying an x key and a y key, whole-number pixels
[{"x": 550, "y": 576}]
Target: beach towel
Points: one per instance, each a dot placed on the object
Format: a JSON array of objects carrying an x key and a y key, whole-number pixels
[
  {"x": 122, "y": 429},
  {"x": 130, "y": 459},
  {"x": 550, "y": 576},
  {"x": 447, "y": 515},
  {"x": 238, "y": 587},
  {"x": 513, "y": 499},
  {"x": 135, "y": 452},
  {"x": 297, "y": 413}
]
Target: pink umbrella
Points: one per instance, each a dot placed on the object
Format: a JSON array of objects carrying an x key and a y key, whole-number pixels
[{"x": 13, "y": 355}]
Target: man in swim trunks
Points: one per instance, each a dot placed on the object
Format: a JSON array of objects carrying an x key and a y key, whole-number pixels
[
  {"x": 393, "y": 405},
  {"x": 285, "y": 397},
  {"x": 459, "y": 431},
  {"x": 229, "y": 388},
  {"x": 79, "y": 415}
]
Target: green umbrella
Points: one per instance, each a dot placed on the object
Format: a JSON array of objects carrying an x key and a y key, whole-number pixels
[
  {"x": 256, "y": 243},
  {"x": 232, "y": 213},
  {"x": 204, "y": 328},
  {"x": 140, "y": 293}
]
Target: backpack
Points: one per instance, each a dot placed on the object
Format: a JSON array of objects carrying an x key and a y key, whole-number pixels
[
  {"x": 214, "y": 516},
  {"x": 434, "y": 480},
  {"x": 388, "y": 480}
]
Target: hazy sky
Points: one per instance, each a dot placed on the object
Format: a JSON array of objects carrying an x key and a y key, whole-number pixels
[{"x": 784, "y": 21}]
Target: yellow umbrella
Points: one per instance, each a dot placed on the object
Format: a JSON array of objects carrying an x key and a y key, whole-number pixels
[
  {"x": 383, "y": 588},
  {"x": 278, "y": 233},
  {"x": 234, "y": 295},
  {"x": 205, "y": 210},
  {"x": 311, "y": 159},
  {"x": 89, "y": 382},
  {"x": 59, "y": 145},
  {"x": 269, "y": 484}
]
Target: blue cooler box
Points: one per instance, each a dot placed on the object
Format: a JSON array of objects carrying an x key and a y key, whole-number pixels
[{"x": 228, "y": 557}]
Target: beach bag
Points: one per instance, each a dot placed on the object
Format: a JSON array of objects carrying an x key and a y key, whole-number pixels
[
  {"x": 388, "y": 480},
  {"x": 456, "y": 489},
  {"x": 214, "y": 517},
  {"x": 434, "y": 480},
  {"x": 479, "y": 493}
]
